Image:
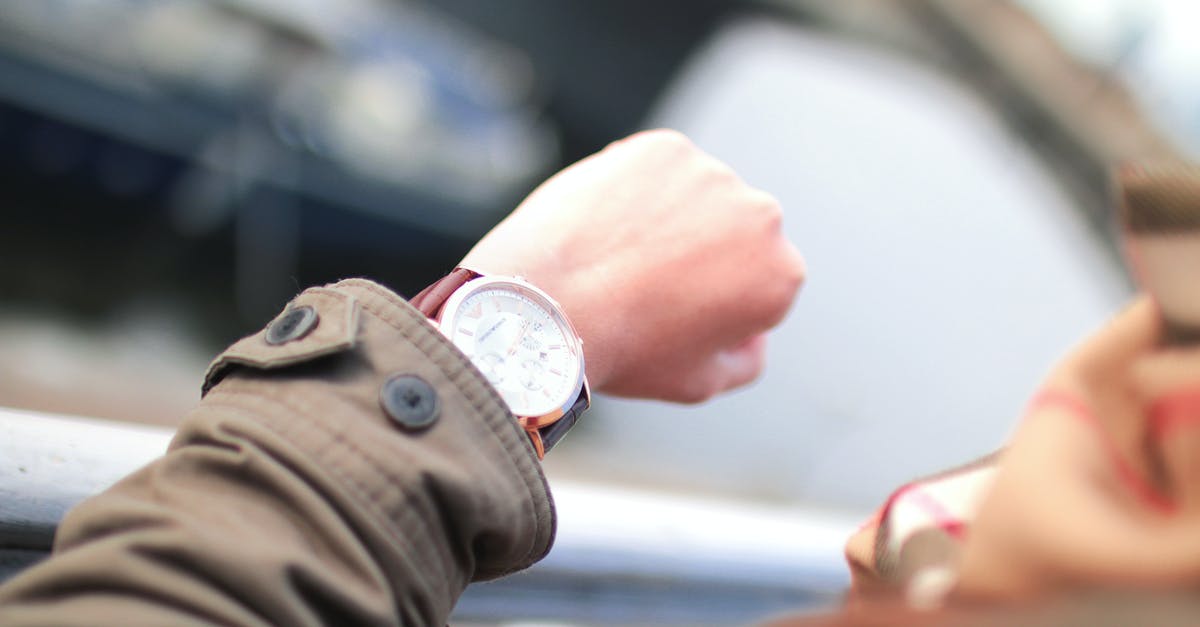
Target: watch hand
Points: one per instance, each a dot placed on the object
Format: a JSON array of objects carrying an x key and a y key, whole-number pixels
[{"x": 512, "y": 349}]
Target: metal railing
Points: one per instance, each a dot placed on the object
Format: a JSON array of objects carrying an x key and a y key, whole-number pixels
[{"x": 621, "y": 556}]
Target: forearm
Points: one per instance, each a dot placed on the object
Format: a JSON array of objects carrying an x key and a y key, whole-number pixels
[{"x": 290, "y": 496}]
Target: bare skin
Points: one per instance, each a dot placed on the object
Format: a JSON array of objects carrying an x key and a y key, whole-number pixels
[
  {"x": 1063, "y": 515},
  {"x": 669, "y": 265}
]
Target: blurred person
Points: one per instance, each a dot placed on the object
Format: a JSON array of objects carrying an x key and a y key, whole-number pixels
[
  {"x": 349, "y": 465},
  {"x": 1089, "y": 517},
  {"x": 1091, "y": 514}
]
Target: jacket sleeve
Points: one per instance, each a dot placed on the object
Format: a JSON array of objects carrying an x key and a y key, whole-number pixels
[{"x": 346, "y": 466}]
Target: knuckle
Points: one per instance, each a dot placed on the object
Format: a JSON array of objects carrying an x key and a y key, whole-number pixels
[
  {"x": 786, "y": 283},
  {"x": 791, "y": 283},
  {"x": 662, "y": 139},
  {"x": 667, "y": 136},
  {"x": 659, "y": 145},
  {"x": 766, "y": 200},
  {"x": 796, "y": 272},
  {"x": 768, "y": 207},
  {"x": 773, "y": 217},
  {"x": 721, "y": 172}
]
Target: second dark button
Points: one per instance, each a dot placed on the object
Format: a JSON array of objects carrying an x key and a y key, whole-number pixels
[{"x": 409, "y": 401}]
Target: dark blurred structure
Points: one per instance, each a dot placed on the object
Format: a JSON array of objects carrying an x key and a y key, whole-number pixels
[
  {"x": 602, "y": 64},
  {"x": 177, "y": 169},
  {"x": 234, "y": 150},
  {"x": 228, "y": 152}
]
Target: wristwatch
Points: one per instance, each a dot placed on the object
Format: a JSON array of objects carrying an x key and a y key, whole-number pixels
[{"x": 521, "y": 341}]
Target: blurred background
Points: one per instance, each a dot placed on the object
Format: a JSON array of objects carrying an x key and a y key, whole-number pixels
[{"x": 175, "y": 170}]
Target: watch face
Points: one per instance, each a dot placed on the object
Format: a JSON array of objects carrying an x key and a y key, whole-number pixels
[{"x": 520, "y": 341}]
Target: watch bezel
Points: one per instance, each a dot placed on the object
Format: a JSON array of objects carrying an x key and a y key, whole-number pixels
[{"x": 516, "y": 284}]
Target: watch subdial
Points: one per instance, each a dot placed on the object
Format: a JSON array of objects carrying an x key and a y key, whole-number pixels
[
  {"x": 520, "y": 344},
  {"x": 531, "y": 375},
  {"x": 492, "y": 367},
  {"x": 530, "y": 343}
]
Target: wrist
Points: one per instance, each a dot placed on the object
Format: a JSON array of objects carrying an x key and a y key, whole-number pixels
[{"x": 594, "y": 320}]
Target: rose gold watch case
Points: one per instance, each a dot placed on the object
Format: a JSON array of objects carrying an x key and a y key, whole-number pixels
[{"x": 531, "y": 424}]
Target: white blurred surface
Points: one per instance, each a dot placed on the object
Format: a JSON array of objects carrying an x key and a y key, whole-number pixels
[
  {"x": 947, "y": 272},
  {"x": 1150, "y": 45},
  {"x": 634, "y": 533}
]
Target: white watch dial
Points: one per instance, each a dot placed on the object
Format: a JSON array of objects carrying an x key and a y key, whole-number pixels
[{"x": 524, "y": 347}]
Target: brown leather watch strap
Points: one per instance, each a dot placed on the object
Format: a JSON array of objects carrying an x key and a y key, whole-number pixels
[
  {"x": 550, "y": 434},
  {"x": 431, "y": 299}
]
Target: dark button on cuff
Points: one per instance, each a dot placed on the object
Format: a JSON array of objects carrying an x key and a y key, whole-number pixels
[
  {"x": 409, "y": 401},
  {"x": 294, "y": 324}
]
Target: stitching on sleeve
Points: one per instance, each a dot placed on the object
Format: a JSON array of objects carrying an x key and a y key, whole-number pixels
[{"x": 472, "y": 393}]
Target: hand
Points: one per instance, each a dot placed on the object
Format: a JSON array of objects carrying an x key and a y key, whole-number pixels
[
  {"x": 1101, "y": 484},
  {"x": 670, "y": 266}
]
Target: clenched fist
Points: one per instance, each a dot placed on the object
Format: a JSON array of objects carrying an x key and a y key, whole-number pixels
[{"x": 670, "y": 266}]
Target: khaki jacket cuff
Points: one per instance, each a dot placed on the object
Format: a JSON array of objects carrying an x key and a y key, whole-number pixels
[{"x": 298, "y": 492}]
